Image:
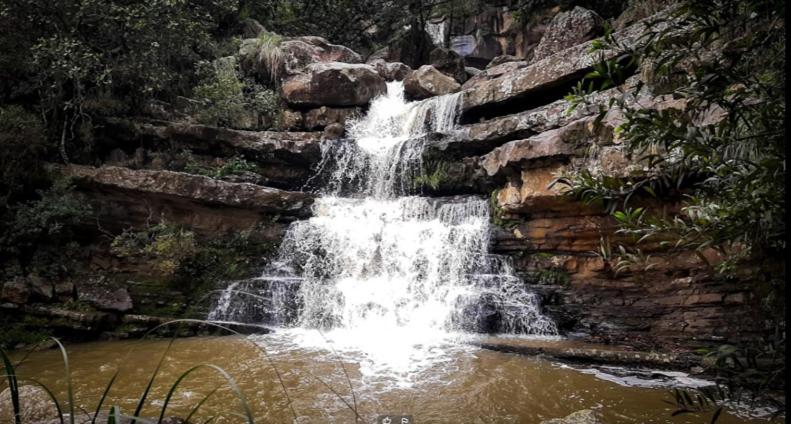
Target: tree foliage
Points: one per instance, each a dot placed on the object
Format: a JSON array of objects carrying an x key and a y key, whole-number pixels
[{"x": 724, "y": 151}]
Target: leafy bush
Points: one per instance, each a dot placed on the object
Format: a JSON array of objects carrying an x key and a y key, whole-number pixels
[
  {"x": 725, "y": 151},
  {"x": 22, "y": 149},
  {"x": 41, "y": 232},
  {"x": 64, "y": 53},
  {"x": 166, "y": 245},
  {"x": 228, "y": 100},
  {"x": 221, "y": 93},
  {"x": 233, "y": 166}
]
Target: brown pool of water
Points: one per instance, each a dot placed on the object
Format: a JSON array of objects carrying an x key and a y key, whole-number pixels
[{"x": 458, "y": 384}]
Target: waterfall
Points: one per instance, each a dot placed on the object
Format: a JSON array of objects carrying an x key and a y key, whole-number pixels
[{"x": 375, "y": 259}]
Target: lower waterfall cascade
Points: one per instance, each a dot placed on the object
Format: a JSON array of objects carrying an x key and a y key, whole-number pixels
[{"x": 375, "y": 259}]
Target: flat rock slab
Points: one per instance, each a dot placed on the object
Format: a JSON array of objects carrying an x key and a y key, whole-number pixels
[
  {"x": 194, "y": 188},
  {"x": 285, "y": 146},
  {"x": 589, "y": 353}
]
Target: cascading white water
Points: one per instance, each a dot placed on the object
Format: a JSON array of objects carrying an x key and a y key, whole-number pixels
[{"x": 374, "y": 261}]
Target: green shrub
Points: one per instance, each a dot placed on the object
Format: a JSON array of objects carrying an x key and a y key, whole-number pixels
[
  {"x": 166, "y": 245},
  {"x": 221, "y": 95},
  {"x": 22, "y": 148},
  {"x": 41, "y": 233},
  {"x": 234, "y": 166}
]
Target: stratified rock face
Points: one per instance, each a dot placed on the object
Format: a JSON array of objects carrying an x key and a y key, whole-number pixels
[
  {"x": 391, "y": 71},
  {"x": 292, "y": 56},
  {"x": 333, "y": 84},
  {"x": 427, "y": 82},
  {"x": 449, "y": 63},
  {"x": 567, "y": 29},
  {"x": 560, "y": 142}
]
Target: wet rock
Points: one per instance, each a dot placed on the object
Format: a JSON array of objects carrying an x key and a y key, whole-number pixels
[
  {"x": 585, "y": 416},
  {"x": 482, "y": 316},
  {"x": 35, "y": 405},
  {"x": 449, "y": 63},
  {"x": 567, "y": 29},
  {"x": 103, "y": 297},
  {"x": 391, "y": 71},
  {"x": 319, "y": 118},
  {"x": 333, "y": 84},
  {"x": 334, "y": 131},
  {"x": 427, "y": 82}
]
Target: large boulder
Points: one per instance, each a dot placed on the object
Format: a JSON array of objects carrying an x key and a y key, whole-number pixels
[
  {"x": 495, "y": 71},
  {"x": 449, "y": 63},
  {"x": 567, "y": 29},
  {"x": 427, "y": 82},
  {"x": 102, "y": 296},
  {"x": 261, "y": 58},
  {"x": 390, "y": 71},
  {"x": 333, "y": 84}
]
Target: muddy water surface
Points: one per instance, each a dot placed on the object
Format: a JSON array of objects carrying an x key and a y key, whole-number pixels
[{"x": 440, "y": 382}]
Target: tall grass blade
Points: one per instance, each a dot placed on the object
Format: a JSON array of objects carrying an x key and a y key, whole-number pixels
[
  {"x": 345, "y": 373},
  {"x": 151, "y": 382},
  {"x": 69, "y": 389},
  {"x": 261, "y": 349},
  {"x": 248, "y": 413},
  {"x": 104, "y": 396},
  {"x": 345, "y": 402},
  {"x": 114, "y": 417},
  {"x": 195, "y": 409},
  {"x": 13, "y": 385}
]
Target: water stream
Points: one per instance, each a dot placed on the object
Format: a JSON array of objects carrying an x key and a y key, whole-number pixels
[
  {"x": 376, "y": 266},
  {"x": 373, "y": 300}
]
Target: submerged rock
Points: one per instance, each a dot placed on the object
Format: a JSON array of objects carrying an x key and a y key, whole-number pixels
[
  {"x": 585, "y": 416},
  {"x": 333, "y": 84},
  {"x": 35, "y": 405},
  {"x": 427, "y": 82}
]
